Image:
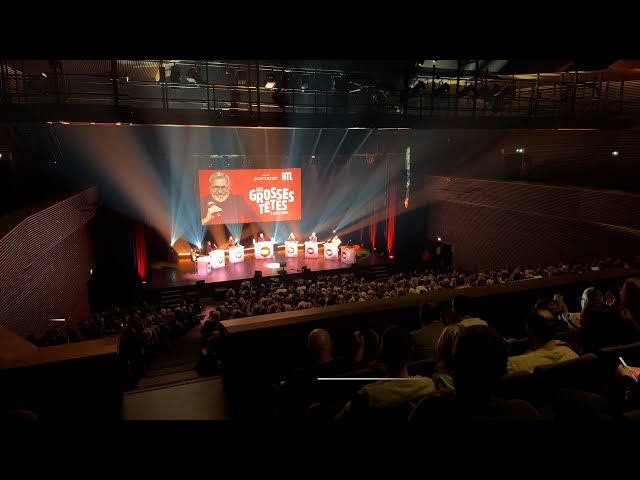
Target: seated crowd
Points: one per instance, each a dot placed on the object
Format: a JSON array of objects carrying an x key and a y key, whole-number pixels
[
  {"x": 457, "y": 366},
  {"x": 143, "y": 331},
  {"x": 282, "y": 295}
]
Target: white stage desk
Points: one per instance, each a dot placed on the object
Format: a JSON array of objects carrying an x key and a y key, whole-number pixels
[
  {"x": 263, "y": 249},
  {"x": 236, "y": 254},
  {"x": 290, "y": 249},
  {"x": 310, "y": 249},
  {"x": 348, "y": 255},
  {"x": 204, "y": 265},
  {"x": 331, "y": 251},
  {"x": 217, "y": 258}
]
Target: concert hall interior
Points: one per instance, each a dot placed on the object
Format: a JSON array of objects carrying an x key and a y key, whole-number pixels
[{"x": 232, "y": 239}]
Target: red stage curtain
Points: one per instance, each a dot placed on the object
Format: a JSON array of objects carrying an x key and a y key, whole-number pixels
[
  {"x": 139, "y": 250},
  {"x": 372, "y": 228},
  {"x": 391, "y": 218}
]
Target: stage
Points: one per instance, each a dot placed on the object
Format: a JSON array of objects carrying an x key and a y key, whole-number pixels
[{"x": 168, "y": 274}]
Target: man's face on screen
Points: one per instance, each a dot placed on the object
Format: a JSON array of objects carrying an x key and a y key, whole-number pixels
[{"x": 219, "y": 189}]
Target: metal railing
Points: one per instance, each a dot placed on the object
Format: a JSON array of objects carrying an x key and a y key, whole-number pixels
[{"x": 439, "y": 97}]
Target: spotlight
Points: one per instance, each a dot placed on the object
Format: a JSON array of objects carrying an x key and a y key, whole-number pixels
[
  {"x": 334, "y": 231},
  {"x": 484, "y": 92},
  {"x": 193, "y": 76},
  {"x": 443, "y": 89},
  {"x": 439, "y": 239},
  {"x": 615, "y": 153},
  {"x": 418, "y": 88},
  {"x": 304, "y": 82},
  {"x": 270, "y": 81},
  {"x": 280, "y": 98},
  {"x": 467, "y": 90},
  {"x": 379, "y": 97},
  {"x": 520, "y": 150}
]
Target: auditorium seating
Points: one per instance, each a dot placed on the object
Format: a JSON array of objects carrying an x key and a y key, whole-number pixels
[
  {"x": 630, "y": 354},
  {"x": 586, "y": 372},
  {"x": 518, "y": 385}
]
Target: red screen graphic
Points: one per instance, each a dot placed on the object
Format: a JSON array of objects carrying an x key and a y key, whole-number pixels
[{"x": 244, "y": 196}]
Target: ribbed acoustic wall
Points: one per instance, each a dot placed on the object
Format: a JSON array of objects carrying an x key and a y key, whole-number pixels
[
  {"x": 44, "y": 266},
  {"x": 559, "y": 157},
  {"x": 496, "y": 224}
]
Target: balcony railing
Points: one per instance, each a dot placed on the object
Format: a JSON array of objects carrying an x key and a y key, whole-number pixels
[{"x": 439, "y": 97}]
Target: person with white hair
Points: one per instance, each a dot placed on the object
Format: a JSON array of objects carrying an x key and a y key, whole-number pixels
[{"x": 219, "y": 206}]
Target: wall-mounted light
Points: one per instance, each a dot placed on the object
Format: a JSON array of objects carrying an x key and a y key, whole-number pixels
[{"x": 270, "y": 81}]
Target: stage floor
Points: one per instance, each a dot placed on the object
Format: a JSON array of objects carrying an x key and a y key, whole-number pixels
[{"x": 166, "y": 275}]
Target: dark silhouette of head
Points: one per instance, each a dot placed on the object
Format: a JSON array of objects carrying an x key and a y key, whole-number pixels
[
  {"x": 610, "y": 298},
  {"x": 592, "y": 297},
  {"x": 541, "y": 326},
  {"x": 462, "y": 306},
  {"x": 548, "y": 304},
  {"x": 630, "y": 295},
  {"x": 479, "y": 362},
  {"x": 395, "y": 349},
  {"x": 446, "y": 346},
  {"x": 320, "y": 346},
  {"x": 429, "y": 312}
]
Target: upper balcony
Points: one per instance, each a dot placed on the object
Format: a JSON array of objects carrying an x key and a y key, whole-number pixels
[{"x": 301, "y": 94}]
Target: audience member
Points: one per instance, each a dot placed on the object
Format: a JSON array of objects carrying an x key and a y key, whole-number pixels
[
  {"x": 425, "y": 339},
  {"x": 400, "y": 389},
  {"x": 443, "y": 375},
  {"x": 541, "y": 329},
  {"x": 479, "y": 362},
  {"x": 461, "y": 307}
]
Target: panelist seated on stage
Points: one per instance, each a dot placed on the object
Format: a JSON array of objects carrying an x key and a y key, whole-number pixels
[
  {"x": 232, "y": 242},
  {"x": 336, "y": 241},
  {"x": 194, "y": 258},
  {"x": 210, "y": 248},
  {"x": 260, "y": 239},
  {"x": 291, "y": 237},
  {"x": 313, "y": 237},
  {"x": 221, "y": 207}
]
